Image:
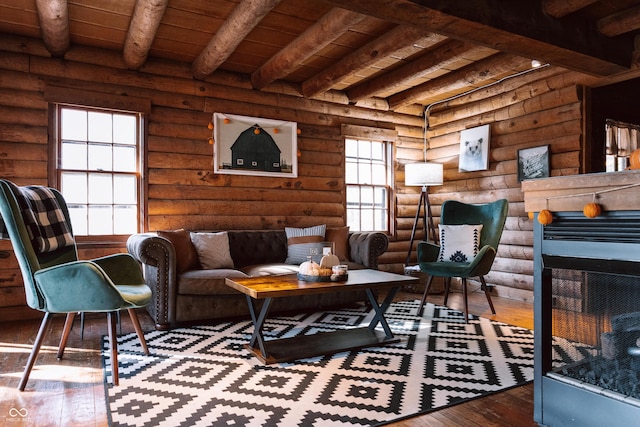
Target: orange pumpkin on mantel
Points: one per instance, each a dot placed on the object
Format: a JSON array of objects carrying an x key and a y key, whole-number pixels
[
  {"x": 545, "y": 217},
  {"x": 634, "y": 159},
  {"x": 592, "y": 210}
]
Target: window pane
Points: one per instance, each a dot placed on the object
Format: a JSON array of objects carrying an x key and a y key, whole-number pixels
[
  {"x": 125, "y": 219},
  {"x": 351, "y": 148},
  {"x": 100, "y": 219},
  {"x": 351, "y": 173},
  {"x": 124, "y": 189},
  {"x": 124, "y": 159},
  {"x": 100, "y": 189},
  {"x": 377, "y": 151},
  {"x": 353, "y": 219},
  {"x": 100, "y": 129},
  {"x": 366, "y": 196},
  {"x": 74, "y": 124},
  {"x": 380, "y": 197},
  {"x": 124, "y": 129},
  {"x": 73, "y": 155},
  {"x": 74, "y": 187},
  {"x": 380, "y": 219},
  {"x": 364, "y": 173},
  {"x": 78, "y": 215},
  {"x": 378, "y": 174},
  {"x": 100, "y": 157},
  {"x": 364, "y": 149},
  {"x": 366, "y": 220}
]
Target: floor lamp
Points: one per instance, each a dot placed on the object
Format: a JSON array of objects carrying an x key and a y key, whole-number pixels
[{"x": 423, "y": 175}]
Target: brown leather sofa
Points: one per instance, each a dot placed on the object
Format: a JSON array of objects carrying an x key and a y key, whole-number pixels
[{"x": 197, "y": 296}]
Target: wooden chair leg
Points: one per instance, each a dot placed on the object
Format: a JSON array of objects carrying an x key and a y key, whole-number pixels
[
  {"x": 113, "y": 339},
  {"x": 68, "y": 323},
  {"x": 466, "y": 302},
  {"x": 424, "y": 296},
  {"x": 447, "y": 287},
  {"x": 488, "y": 295},
  {"x": 35, "y": 350},
  {"x": 138, "y": 328}
]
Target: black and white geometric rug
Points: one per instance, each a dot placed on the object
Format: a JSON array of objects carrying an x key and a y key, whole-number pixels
[{"x": 204, "y": 376}]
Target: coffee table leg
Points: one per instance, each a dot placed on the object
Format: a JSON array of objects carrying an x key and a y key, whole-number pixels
[
  {"x": 380, "y": 309},
  {"x": 258, "y": 323}
]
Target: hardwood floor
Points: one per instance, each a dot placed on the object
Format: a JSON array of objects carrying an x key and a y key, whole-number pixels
[{"x": 70, "y": 392}]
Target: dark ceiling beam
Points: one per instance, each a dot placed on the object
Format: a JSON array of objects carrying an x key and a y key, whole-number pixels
[
  {"x": 327, "y": 29},
  {"x": 620, "y": 23},
  {"x": 54, "y": 24},
  {"x": 244, "y": 18},
  {"x": 516, "y": 27},
  {"x": 562, "y": 8},
  {"x": 143, "y": 27}
]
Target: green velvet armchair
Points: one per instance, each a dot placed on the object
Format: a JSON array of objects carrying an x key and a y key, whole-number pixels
[
  {"x": 492, "y": 216},
  {"x": 55, "y": 281}
]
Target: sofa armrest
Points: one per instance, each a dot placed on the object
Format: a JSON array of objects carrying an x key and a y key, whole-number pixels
[
  {"x": 158, "y": 258},
  {"x": 366, "y": 247}
]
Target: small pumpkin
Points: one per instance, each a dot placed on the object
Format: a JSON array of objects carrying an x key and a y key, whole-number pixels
[
  {"x": 530, "y": 215},
  {"x": 329, "y": 261},
  {"x": 545, "y": 217},
  {"x": 592, "y": 210},
  {"x": 309, "y": 268},
  {"x": 634, "y": 159}
]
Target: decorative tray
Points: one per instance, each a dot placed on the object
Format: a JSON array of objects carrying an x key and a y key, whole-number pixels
[{"x": 331, "y": 278}]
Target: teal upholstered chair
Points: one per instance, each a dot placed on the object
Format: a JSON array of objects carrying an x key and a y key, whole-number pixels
[
  {"x": 492, "y": 216},
  {"x": 55, "y": 281}
]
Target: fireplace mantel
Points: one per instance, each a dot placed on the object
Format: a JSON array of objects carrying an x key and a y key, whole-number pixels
[{"x": 571, "y": 193}]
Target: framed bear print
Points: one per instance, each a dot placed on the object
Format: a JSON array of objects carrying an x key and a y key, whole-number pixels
[
  {"x": 474, "y": 149},
  {"x": 244, "y": 145}
]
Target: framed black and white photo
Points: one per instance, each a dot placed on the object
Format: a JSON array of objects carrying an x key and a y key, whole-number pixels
[
  {"x": 474, "y": 149},
  {"x": 533, "y": 163},
  {"x": 244, "y": 145}
]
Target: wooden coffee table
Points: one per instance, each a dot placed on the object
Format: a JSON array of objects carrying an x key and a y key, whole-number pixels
[{"x": 268, "y": 288}]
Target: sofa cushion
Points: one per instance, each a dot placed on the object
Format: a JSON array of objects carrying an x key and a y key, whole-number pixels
[
  {"x": 269, "y": 269},
  {"x": 301, "y": 241},
  {"x": 207, "y": 282},
  {"x": 186, "y": 255},
  {"x": 213, "y": 250},
  {"x": 340, "y": 238}
]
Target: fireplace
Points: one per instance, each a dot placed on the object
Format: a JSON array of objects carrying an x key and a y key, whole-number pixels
[
  {"x": 587, "y": 301},
  {"x": 587, "y": 295}
]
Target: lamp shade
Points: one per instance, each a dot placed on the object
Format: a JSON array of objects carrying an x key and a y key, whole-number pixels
[{"x": 420, "y": 174}]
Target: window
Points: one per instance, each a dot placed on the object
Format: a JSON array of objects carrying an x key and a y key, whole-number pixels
[
  {"x": 98, "y": 169},
  {"x": 368, "y": 178}
]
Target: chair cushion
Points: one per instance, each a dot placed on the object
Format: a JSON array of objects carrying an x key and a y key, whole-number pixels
[
  {"x": 213, "y": 250},
  {"x": 186, "y": 255},
  {"x": 301, "y": 241},
  {"x": 459, "y": 243}
]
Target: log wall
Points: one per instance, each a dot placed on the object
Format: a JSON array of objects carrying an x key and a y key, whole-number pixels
[{"x": 543, "y": 107}]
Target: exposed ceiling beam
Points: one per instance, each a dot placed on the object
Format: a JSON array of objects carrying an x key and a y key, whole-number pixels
[
  {"x": 620, "y": 23},
  {"x": 516, "y": 27},
  {"x": 327, "y": 29},
  {"x": 441, "y": 56},
  {"x": 143, "y": 27},
  {"x": 244, "y": 18},
  {"x": 54, "y": 24},
  {"x": 475, "y": 74},
  {"x": 562, "y": 8},
  {"x": 398, "y": 38}
]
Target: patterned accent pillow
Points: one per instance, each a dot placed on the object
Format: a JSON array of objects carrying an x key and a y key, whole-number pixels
[
  {"x": 459, "y": 243},
  {"x": 213, "y": 250},
  {"x": 303, "y": 242}
]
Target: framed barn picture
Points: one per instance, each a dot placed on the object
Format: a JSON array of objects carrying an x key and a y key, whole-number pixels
[
  {"x": 533, "y": 163},
  {"x": 246, "y": 145}
]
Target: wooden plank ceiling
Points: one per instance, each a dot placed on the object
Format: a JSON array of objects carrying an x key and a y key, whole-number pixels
[{"x": 399, "y": 55}]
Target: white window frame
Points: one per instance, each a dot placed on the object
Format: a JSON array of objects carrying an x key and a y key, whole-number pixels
[{"x": 359, "y": 171}]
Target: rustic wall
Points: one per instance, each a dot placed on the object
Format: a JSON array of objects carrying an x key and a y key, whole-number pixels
[{"x": 543, "y": 107}]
